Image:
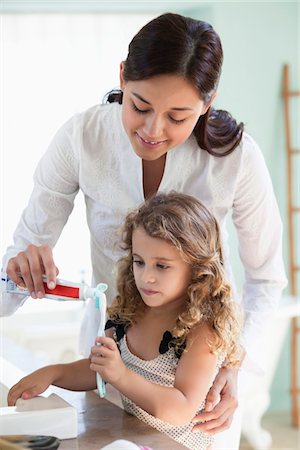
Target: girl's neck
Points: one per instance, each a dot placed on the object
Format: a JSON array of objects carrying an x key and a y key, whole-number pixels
[{"x": 168, "y": 312}]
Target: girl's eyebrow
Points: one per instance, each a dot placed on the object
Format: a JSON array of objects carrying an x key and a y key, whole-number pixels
[
  {"x": 158, "y": 258},
  {"x": 148, "y": 103}
]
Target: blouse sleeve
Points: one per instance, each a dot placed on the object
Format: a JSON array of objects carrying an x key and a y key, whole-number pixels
[
  {"x": 259, "y": 229},
  {"x": 51, "y": 202}
]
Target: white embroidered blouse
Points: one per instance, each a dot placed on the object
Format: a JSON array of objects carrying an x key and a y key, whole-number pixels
[{"x": 92, "y": 152}]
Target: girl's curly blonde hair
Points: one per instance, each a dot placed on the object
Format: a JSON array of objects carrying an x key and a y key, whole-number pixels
[{"x": 188, "y": 225}]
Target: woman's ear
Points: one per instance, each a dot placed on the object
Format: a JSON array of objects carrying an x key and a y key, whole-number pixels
[
  {"x": 122, "y": 82},
  {"x": 208, "y": 105}
]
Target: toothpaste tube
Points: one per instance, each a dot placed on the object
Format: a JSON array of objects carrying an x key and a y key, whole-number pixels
[{"x": 63, "y": 291}]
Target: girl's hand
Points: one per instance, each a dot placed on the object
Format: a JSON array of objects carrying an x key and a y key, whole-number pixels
[
  {"x": 26, "y": 269},
  {"x": 107, "y": 361},
  {"x": 221, "y": 403},
  {"x": 32, "y": 385}
]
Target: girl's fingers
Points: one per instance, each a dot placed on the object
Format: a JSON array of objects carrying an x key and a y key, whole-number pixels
[
  {"x": 106, "y": 342},
  {"x": 13, "y": 395}
]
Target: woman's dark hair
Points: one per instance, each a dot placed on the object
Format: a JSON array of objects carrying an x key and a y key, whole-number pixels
[{"x": 174, "y": 44}]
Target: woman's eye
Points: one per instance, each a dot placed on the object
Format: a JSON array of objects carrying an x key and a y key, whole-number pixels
[
  {"x": 140, "y": 111},
  {"x": 178, "y": 122}
]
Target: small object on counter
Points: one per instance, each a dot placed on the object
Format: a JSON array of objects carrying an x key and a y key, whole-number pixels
[
  {"x": 51, "y": 415},
  {"x": 18, "y": 442},
  {"x": 122, "y": 444}
]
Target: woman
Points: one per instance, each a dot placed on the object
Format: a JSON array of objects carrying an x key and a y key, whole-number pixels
[{"x": 159, "y": 133}]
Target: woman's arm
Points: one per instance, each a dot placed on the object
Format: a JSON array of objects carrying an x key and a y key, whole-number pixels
[
  {"x": 259, "y": 230},
  {"x": 51, "y": 202},
  {"x": 176, "y": 405},
  {"x": 75, "y": 376}
]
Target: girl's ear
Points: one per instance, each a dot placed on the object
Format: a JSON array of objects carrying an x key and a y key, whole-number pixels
[{"x": 122, "y": 82}]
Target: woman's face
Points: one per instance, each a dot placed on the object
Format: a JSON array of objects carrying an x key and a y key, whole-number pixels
[{"x": 159, "y": 113}]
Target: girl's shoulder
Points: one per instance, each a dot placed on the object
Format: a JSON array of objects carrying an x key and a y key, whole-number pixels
[{"x": 201, "y": 332}]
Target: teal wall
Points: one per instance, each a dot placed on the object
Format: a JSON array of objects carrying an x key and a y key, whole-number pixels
[{"x": 258, "y": 38}]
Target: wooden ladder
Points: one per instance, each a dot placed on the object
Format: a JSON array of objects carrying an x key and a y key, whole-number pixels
[{"x": 294, "y": 267}]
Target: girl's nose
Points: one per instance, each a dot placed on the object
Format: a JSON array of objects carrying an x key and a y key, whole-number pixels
[{"x": 148, "y": 275}]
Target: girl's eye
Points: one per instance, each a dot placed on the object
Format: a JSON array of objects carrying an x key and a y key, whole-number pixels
[
  {"x": 140, "y": 111},
  {"x": 162, "y": 266},
  {"x": 137, "y": 262}
]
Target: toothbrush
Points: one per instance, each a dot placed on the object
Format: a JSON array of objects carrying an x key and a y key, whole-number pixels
[{"x": 100, "y": 300}]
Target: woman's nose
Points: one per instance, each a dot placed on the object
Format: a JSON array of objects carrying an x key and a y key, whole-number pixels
[{"x": 154, "y": 127}]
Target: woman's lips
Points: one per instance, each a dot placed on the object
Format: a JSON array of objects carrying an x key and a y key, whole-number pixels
[{"x": 148, "y": 143}]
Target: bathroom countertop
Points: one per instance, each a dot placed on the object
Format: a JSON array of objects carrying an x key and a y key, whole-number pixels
[{"x": 101, "y": 422}]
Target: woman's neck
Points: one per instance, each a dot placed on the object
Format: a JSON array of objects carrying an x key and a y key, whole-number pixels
[{"x": 153, "y": 172}]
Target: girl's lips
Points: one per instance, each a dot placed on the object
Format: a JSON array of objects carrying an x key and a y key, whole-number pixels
[
  {"x": 149, "y": 144},
  {"x": 149, "y": 292}
]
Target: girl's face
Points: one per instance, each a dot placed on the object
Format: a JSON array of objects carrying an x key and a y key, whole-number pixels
[
  {"x": 159, "y": 113},
  {"x": 161, "y": 275}
]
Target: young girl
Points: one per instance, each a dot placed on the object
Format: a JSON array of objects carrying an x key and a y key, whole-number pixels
[{"x": 171, "y": 325}]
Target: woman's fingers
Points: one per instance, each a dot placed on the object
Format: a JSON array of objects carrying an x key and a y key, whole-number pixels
[
  {"x": 28, "y": 267},
  {"x": 13, "y": 271},
  {"x": 50, "y": 269}
]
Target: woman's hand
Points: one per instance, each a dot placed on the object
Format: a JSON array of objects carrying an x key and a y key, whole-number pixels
[
  {"x": 27, "y": 268},
  {"x": 221, "y": 403},
  {"x": 106, "y": 360},
  {"x": 32, "y": 385}
]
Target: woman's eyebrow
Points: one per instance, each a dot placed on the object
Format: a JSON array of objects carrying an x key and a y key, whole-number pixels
[{"x": 184, "y": 108}]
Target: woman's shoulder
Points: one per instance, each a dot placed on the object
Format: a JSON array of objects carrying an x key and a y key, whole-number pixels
[
  {"x": 252, "y": 157},
  {"x": 99, "y": 126},
  {"x": 248, "y": 144},
  {"x": 247, "y": 153},
  {"x": 91, "y": 121},
  {"x": 98, "y": 116}
]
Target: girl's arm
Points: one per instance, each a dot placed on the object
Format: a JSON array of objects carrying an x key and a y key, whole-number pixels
[
  {"x": 75, "y": 376},
  {"x": 176, "y": 405}
]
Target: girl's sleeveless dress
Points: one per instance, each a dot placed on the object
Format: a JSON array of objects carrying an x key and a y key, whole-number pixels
[{"x": 160, "y": 370}]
